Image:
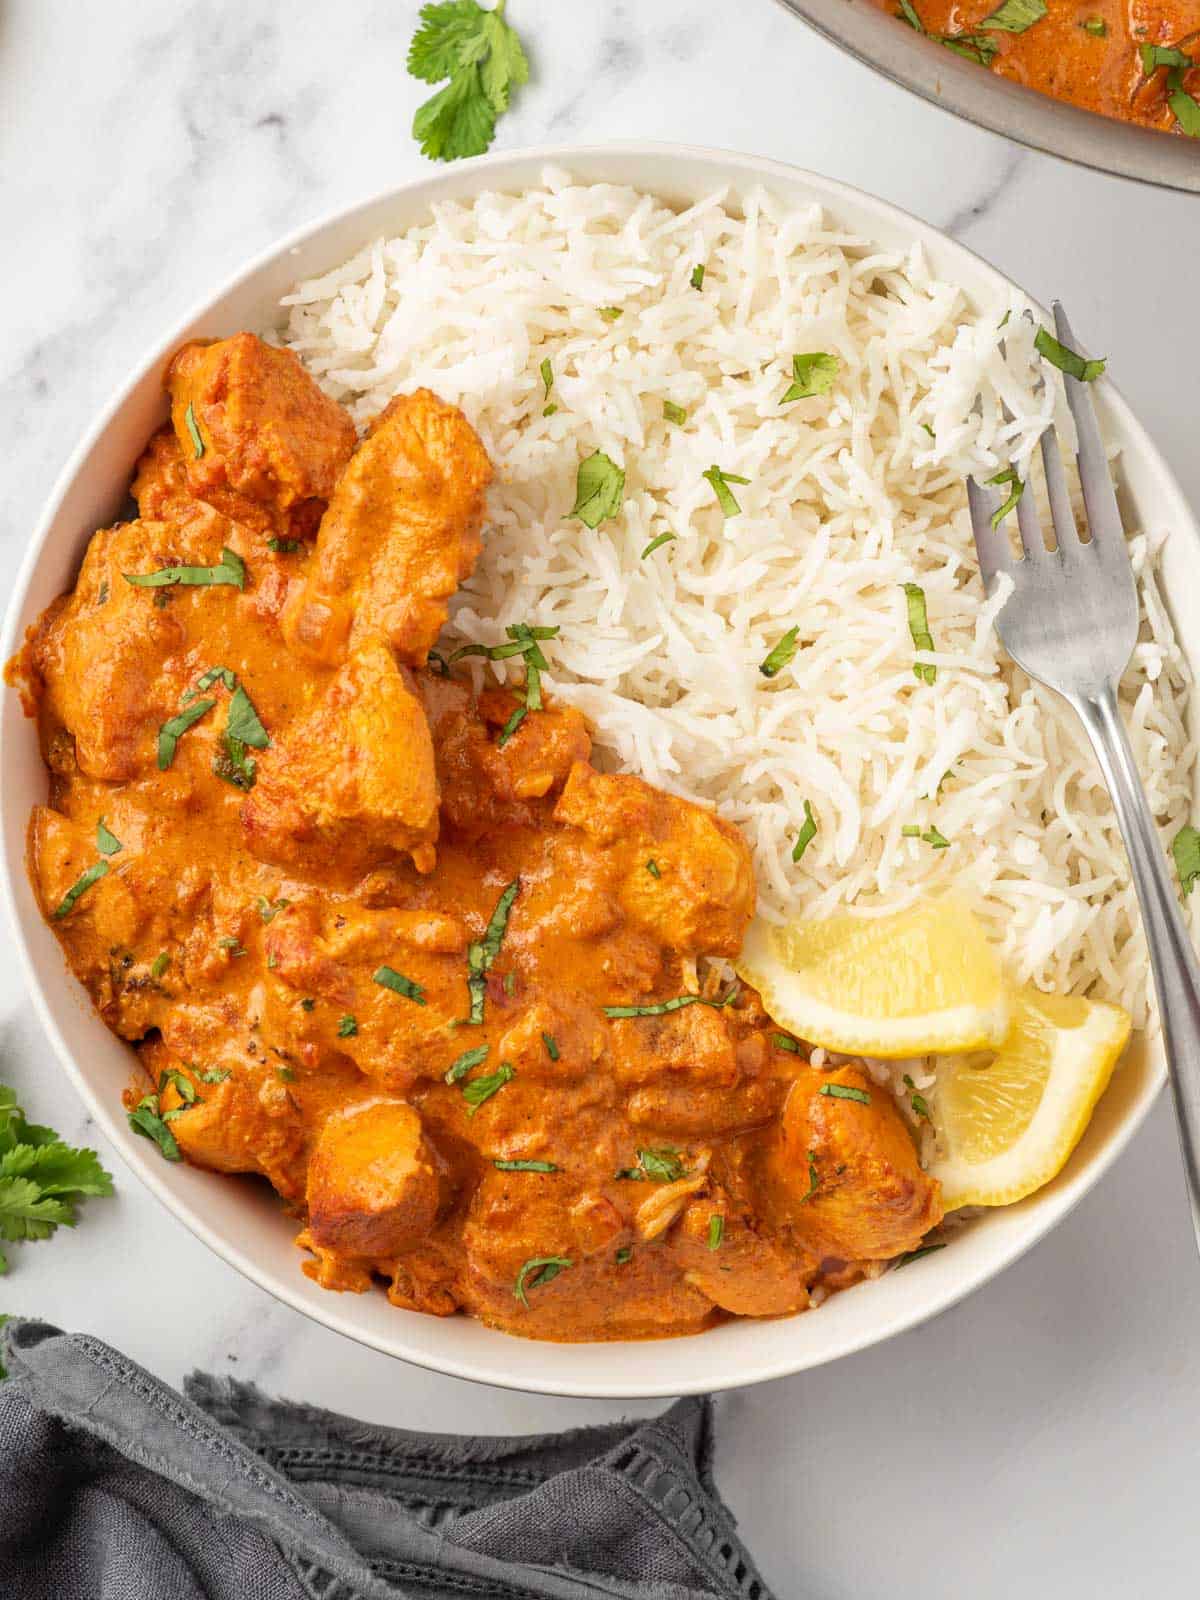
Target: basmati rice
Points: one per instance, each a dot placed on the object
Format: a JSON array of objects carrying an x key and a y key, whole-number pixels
[{"x": 852, "y": 495}]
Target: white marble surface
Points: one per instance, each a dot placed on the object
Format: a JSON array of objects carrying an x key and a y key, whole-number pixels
[{"x": 1042, "y": 1437}]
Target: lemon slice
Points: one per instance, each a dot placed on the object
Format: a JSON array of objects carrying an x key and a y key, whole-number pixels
[
  {"x": 1006, "y": 1126},
  {"x": 918, "y": 981}
]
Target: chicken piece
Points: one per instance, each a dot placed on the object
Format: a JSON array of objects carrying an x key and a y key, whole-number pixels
[
  {"x": 700, "y": 898},
  {"x": 514, "y": 1223},
  {"x": 486, "y": 785},
  {"x": 106, "y": 920},
  {"x": 99, "y": 655},
  {"x": 337, "y": 961},
  {"x": 372, "y": 1181},
  {"x": 425, "y": 1279},
  {"x": 399, "y": 536},
  {"x": 739, "y": 1266},
  {"x": 843, "y": 1172},
  {"x": 260, "y": 441},
  {"x": 568, "y": 1024},
  {"x": 702, "y": 1086},
  {"x": 163, "y": 493},
  {"x": 352, "y": 785},
  {"x": 248, "y": 1122}
]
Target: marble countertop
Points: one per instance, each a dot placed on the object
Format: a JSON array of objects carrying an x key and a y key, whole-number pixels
[{"x": 1039, "y": 1438}]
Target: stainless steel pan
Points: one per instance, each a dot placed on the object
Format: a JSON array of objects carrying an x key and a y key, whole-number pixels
[{"x": 944, "y": 79}]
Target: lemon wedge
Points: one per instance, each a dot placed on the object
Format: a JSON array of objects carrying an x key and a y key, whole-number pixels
[
  {"x": 915, "y": 982},
  {"x": 1005, "y": 1126}
]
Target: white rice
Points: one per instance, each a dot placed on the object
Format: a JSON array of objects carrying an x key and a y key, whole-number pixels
[{"x": 849, "y": 499}]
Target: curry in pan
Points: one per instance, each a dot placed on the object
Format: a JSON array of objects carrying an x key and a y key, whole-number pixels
[
  {"x": 397, "y": 946},
  {"x": 1136, "y": 60}
]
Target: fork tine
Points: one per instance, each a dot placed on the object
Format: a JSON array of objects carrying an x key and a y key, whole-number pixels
[
  {"x": 1099, "y": 497},
  {"x": 1030, "y": 525},
  {"x": 995, "y": 553},
  {"x": 1062, "y": 513}
]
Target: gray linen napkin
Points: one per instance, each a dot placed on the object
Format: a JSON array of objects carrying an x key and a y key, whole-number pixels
[{"x": 114, "y": 1487}]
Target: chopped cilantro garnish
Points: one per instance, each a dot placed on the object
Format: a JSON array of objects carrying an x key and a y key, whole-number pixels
[
  {"x": 915, "y": 1255},
  {"x": 653, "y": 868},
  {"x": 697, "y": 278},
  {"x": 814, "y": 1177},
  {"x": 464, "y": 1063},
  {"x": 725, "y": 497},
  {"x": 481, "y": 953},
  {"x": 536, "y": 1273},
  {"x": 611, "y": 313},
  {"x": 716, "y": 1232},
  {"x": 1014, "y": 16},
  {"x": 783, "y": 1041},
  {"x": 1185, "y": 847},
  {"x": 147, "y": 1120},
  {"x": 782, "y": 654},
  {"x": 1007, "y": 476},
  {"x": 1066, "y": 360},
  {"x": 480, "y": 1089},
  {"x": 656, "y": 543},
  {"x": 599, "y": 489},
  {"x": 193, "y": 428},
  {"x": 808, "y": 832},
  {"x": 551, "y": 1044},
  {"x": 812, "y": 374},
  {"x": 159, "y": 965},
  {"x": 389, "y": 978},
  {"x": 232, "y": 571},
  {"x": 525, "y": 1166},
  {"x": 674, "y": 413},
  {"x": 661, "y": 1007},
  {"x": 845, "y": 1091},
  {"x": 82, "y": 884},
  {"x": 172, "y": 731},
  {"x": 918, "y": 628},
  {"x": 106, "y": 842},
  {"x": 655, "y": 1166},
  {"x": 917, "y": 1101}
]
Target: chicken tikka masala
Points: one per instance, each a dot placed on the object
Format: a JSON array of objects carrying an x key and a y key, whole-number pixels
[
  {"x": 398, "y": 946},
  {"x": 1135, "y": 60}
]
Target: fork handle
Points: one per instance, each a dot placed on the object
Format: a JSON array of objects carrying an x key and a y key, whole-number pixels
[{"x": 1172, "y": 958}]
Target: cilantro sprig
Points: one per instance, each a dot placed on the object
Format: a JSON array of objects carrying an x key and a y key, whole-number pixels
[
  {"x": 41, "y": 1178},
  {"x": 481, "y": 55}
]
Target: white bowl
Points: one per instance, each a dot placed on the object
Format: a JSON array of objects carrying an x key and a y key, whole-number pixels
[{"x": 240, "y": 1219}]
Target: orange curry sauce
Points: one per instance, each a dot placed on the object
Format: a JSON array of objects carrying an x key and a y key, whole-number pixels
[
  {"x": 1085, "y": 51},
  {"x": 367, "y": 931}
]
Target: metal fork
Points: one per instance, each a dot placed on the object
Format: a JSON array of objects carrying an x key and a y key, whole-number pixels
[{"x": 1072, "y": 621}]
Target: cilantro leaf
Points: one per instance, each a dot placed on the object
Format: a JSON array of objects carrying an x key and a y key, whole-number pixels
[
  {"x": 599, "y": 489},
  {"x": 457, "y": 121},
  {"x": 812, "y": 374},
  {"x": 1066, "y": 359},
  {"x": 449, "y": 36},
  {"x": 40, "y": 1177},
  {"x": 483, "y": 59},
  {"x": 1014, "y": 16},
  {"x": 25, "y": 1213},
  {"x": 1185, "y": 847},
  {"x": 57, "y": 1168}
]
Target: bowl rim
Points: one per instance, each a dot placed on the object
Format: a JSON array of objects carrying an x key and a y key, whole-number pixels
[
  {"x": 1030, "y": 118},
  {"x": 727, "y": 168}
]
